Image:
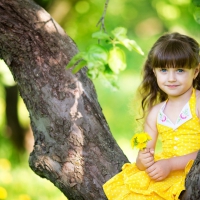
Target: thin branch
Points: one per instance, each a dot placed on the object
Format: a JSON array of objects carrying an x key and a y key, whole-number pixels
[
  {"x": 102, "y": 19},
  {"x": 45, "y": 22}
]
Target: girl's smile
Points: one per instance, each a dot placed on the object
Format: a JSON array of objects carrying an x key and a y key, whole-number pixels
[
  {"x": 172, "y": 85},
  {"x": 175, "y": 81}
]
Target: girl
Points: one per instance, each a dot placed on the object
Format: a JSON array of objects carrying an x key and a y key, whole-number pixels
[{"x": 171, "y": 97}]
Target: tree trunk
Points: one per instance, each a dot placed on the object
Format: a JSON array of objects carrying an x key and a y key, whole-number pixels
[
  {"x": 192, "y": 182},
  {"x": 73, "y": 147}
]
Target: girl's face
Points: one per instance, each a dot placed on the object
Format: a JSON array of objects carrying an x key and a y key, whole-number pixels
[{"x": 175, "y": 81}]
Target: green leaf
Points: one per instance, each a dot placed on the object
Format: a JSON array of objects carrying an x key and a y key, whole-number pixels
[
  {"x": 197, "y": 15},
  {"x": 96, "y": 64},
  {"x": 97, "y": 53},
  {"x": 108, "y": 70},
  {"x": 117, "y": 60},
  {"x": 132, "y": 45},
  {"x": 101, "y": 35},
  {"x": 120, "y": 33},
  {"x": 80, "y": 65},
  {"x": 111, "y": 80},
  {"x": 93, "y": 73},
  {"x": 196, "y": 3},
  {"x": 75, "y": 59}
]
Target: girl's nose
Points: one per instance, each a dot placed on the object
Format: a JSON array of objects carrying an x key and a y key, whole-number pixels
[{"x": 171, "y": 76}]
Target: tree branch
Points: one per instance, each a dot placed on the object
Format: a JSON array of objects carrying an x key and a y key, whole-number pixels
[{"x": 101, "y": 22}]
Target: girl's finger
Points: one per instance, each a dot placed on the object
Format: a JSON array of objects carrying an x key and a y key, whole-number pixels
[
  {"x": 156, "y": 178},
  {"x": 151, "y": 170},
  {"x": 159, "y": 179}
]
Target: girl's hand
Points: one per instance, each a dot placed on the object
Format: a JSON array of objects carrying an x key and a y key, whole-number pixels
[
  {"x": 145, "y": 158},
  {"x": 159, "y": 170}
]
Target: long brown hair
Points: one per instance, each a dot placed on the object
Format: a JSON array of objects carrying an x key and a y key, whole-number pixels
[{"x": 170, "y": 50}]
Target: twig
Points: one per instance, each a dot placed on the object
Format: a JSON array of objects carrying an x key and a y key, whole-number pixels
[{"x": 102, "y": 19}]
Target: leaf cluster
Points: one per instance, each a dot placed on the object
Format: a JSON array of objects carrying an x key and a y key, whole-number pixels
[
  {"x": 108, "y": 60},
  {"x": 196, "y": 10}
]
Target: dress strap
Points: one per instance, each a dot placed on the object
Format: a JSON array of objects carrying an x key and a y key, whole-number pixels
[{"x": 192, "y": 102}]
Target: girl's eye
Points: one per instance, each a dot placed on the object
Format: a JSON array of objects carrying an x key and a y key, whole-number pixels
[
  {"x": 163, "y": 70},
  {"x": 180, "y": 70}
]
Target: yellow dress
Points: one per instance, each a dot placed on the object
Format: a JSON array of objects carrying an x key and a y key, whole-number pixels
[{"x": 177, "y": 140}]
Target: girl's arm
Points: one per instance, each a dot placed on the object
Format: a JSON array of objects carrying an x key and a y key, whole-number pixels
[
  {"x": 179, "y": 162},
  {"x": 145, "y": 157},
  {"x": 162, "y": 168},
  {"x": 150, "y": 126}
]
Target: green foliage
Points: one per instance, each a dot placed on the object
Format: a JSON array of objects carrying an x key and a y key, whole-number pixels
[
  {"x": 196, "y": 10},
  {"x": 196, "y": 3},
  {"x": 197, "y": 15},
  {"x": 100, "y": 59},
  {"x": 145, "y": 22}
]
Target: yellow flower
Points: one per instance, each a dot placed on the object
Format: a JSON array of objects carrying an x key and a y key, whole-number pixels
[
  {"x": 140, "y": 140},
  {"x": 3, "y": 193},
  {"x": 132, "y": 142},
  {"x": 141, "y": 145}
]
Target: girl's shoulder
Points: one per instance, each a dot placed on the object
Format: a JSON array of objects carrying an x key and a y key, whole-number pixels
[
  {"x": 157, "y": 107},
  {"x": 154, "y": 110},
  {"x": 151, "y": 119}
]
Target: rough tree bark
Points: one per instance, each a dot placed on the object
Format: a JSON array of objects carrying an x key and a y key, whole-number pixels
[
  {"x": 73, "y": 147},
  {"x": 192, "y": 182}
]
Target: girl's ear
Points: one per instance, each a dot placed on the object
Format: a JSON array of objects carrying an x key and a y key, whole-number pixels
[
  {"x": 197, "y": 70},
  {"x": 154, "y": 72}
]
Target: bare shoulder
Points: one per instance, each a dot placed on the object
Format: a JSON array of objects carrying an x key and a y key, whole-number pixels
[
  {"x": 154, "y": 110},
  {"x": 150, "y": 123},
  {"x": 152, "y": 115}
]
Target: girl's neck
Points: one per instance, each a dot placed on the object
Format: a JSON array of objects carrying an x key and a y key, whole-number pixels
[
  {"x": 181, "y": 99},
  {"x": 174, "y": 105}
]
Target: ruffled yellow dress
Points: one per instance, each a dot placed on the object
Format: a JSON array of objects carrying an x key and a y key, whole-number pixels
[{"x": 177, "y": 140}]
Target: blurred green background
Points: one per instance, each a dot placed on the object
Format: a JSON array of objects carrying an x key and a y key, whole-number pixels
[{"x": 145, "y": 21}]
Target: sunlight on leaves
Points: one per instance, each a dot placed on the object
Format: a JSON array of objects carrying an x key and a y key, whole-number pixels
[
  {"x": 82, "y": 7},
  {"x": 197, "y": 15},
  {"x": 180, "y": 2},
  {"x": 117, "y": 60},
  {"x": 196, "y": 3},
  {"x": 107, "y": 58},
  {"x": 120, "y": 34},
  {"x": 167, "y": 11}
]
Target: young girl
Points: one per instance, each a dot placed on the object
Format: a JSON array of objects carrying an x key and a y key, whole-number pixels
[{"x": 171, "y": 97}]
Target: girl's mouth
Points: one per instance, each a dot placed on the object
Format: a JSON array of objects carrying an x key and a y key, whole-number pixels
[{"x": 172, "y": 86}]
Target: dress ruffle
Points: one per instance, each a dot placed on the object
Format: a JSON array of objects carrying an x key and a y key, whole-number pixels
[{"x": 133, "y": 184}]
